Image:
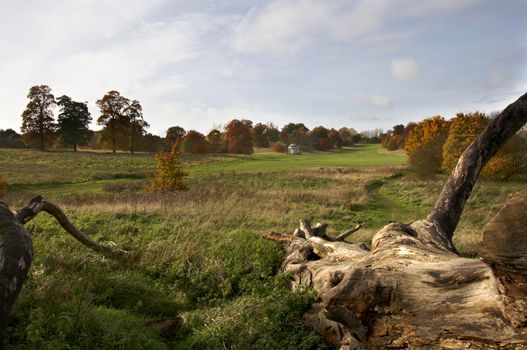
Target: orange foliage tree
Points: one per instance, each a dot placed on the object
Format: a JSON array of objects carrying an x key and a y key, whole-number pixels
[
  {"x": 424, "y": 144},
  {"x": 239, "y": 139},
  {"x": 195, "y": 142}
]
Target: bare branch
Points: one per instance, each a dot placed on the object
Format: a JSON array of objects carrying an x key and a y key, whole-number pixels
[
  {"x": 39, "y": 204},
  {"x": 457, "y": 189},
  {"x": 348, "y": 233}
]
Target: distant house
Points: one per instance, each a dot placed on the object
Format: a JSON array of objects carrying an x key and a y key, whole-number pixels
[{"x": 294, "y": 149}]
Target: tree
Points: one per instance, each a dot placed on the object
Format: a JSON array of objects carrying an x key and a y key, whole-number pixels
[
  {"x": 424, "y": 144},
  {"x": 239, "y": 139},
  {"x": 113, "y": 117},
  {"x": 37, "y": 118},
  {"x": 174, "y": 135},
  {"x": 216, "y": 141},
  {"x": 134, "y": 112},
  {"x": 73, "y": 122},
  {"x": 195, "y": 142},
  {"x": 153, "y": 143},
  {"x": 334, "y": 139},
  {"x": 411, "y": 289},
  {"x": 464, "y": 128},
  {"x": 319, "y": 138},
  {"x": 272, "y": 133},
  {"x": 346, "y": 135},
  {"x": 296, "y": 133},
  {"x": 9, "y": 138},
  {"x": 169, "y": 173},
  {"x": 259, "y": 135}
]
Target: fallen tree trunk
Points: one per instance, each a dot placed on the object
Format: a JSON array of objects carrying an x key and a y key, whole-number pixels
[
  {"x": 16, "y": 250},
  {"x": 411, "y": 289}
]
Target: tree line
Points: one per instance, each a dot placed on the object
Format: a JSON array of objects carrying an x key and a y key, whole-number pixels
[
  {"x": 435, "y": 144},
  {"x": 124, "y": 128}
]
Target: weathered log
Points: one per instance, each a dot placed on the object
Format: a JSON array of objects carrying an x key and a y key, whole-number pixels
[{"x": 412, "y": 289}]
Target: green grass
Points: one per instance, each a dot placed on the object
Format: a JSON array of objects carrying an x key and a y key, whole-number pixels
[{"x": 199, "y": 254}]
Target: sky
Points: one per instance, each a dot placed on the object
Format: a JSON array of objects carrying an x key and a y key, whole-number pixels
[{"x": 198, "y": 64}]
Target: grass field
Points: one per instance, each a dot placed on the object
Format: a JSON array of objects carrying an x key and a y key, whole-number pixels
[{"x": 199, "y": 254}]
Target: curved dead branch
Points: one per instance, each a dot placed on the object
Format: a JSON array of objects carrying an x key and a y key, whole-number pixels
[
  {"x": 39, "y": 204},
  {"x": 457, "y": 189}
]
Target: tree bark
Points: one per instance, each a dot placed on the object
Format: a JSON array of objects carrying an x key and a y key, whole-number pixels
[{"x": 411, "y": 289}]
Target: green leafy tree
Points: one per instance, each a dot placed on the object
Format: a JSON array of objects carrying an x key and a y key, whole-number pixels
[
  {"x": 169, "y": 173},
  {"x": 259, "y": 134},
  {"x": 113, "y": 117},
  {"x": 174, "y": 136},
  {"x": 37, "y": 119},
  {"x": 73, "y": 122},
  {"x": 272, "y": 132},
  {"x": 137, "y": 123}
]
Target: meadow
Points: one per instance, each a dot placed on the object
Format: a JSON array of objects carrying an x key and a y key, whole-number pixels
[{"x": 197, "y": 258}]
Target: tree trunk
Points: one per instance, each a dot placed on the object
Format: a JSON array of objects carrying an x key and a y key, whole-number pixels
[
  {"x": 411, "y": 289},
  {"x": 113, "y": 136}
]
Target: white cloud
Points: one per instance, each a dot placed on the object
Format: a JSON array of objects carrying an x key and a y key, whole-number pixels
[
  {"x": 373, "y": 100},
  {"x": 405, "y": 69},
  {"x": 286, "y": 27},
  {"x": 282, "y": 27}
]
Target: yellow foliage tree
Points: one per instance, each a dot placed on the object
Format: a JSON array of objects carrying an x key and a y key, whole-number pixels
[
  {"x": 169, "y": 173},
  {"x": 424, "y": 144},
  {"x": 464, "y": 129}
]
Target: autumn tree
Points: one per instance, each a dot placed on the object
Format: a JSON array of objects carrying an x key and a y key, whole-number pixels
[
  {"x": 216, "y": 141},
  {"x": 319, "y": 138},
  {"x": 37, "y": 119},
  {"x": 195, "y": 142},
  {"x": 424, "y": 144},
  {"x": 259, "y": 135},
  {"x": 239, "y": 139},
  {"x": 134, "y": 113},
  {"x": 73, "y": 122},
  {"x": 113, "y": 117},
  {"x": 174, "y": 135},
  {"x": 463, "y": 130},
  {"x": 334, "y": 139},
  {"x": 346, "y": 136},
  {"x": 169, "y": 173}
]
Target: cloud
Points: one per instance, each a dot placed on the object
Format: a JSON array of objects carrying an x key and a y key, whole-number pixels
[
  {"x": 375, "y": 101},
  {"x": 405, "y": 69},
  {"x": 282, "y": 27},
  {"x": 286, "y": 27}
]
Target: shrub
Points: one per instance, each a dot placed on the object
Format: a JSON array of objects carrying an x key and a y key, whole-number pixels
[
  {"x": 279, "y": 148},
  {"x": 169, "y": 173}
]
